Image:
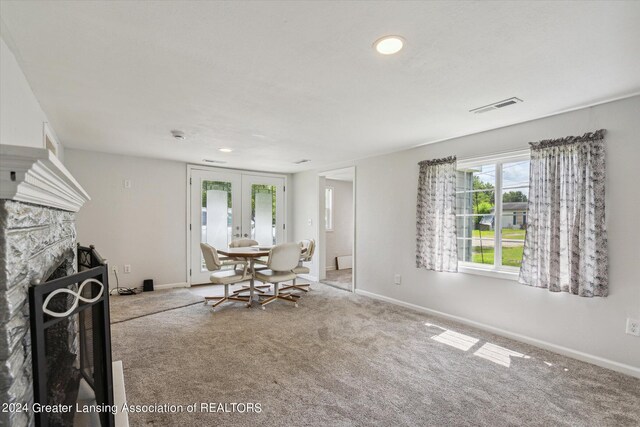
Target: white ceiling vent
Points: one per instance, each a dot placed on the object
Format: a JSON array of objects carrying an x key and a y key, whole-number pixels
[
  {"x": 496, "y": 105},
  {"x": 213, "y": 161},
  {"x": 299, "y": 162}
]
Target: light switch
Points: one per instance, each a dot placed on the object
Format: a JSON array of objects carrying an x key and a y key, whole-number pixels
[
  {"x": 127, "y": 183},
  {"x": 310, "y": 222}
]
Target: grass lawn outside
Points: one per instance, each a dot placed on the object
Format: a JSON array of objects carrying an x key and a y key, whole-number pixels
[
  {"x": 507, "y": 233},
  {"x": 511, "y": 256}
]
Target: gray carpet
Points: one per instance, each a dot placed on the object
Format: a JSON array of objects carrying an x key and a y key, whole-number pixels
[
  {"x": 339, "y": 278},
  {"x": 342, "y": 359},
  {"x": 126, "y": 307}
]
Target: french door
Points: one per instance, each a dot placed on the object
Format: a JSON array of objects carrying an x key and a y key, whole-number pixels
[{"x": 231, "y": 205}]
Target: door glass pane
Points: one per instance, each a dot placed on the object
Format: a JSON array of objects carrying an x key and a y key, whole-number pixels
[
  {"x": 216, "y": 214},
  {"x": 263, "y": 214}
]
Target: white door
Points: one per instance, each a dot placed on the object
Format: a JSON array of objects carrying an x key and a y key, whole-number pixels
[
  {"x": 263, "y": 209},
  {"x": 229, "y": 205},
  {"x": 215, "y": 215}
]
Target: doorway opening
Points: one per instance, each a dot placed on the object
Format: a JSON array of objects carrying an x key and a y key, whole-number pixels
[{"x": 337, "y": 228}]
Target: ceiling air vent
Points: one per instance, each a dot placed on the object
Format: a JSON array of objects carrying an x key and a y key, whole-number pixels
[
  {"x": 496, "y": 105},
  {"x": 213, "y": 161},
  {"x": 299, "y": 162}
]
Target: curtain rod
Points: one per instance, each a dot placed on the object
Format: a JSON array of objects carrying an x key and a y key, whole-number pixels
[{"x": 521, "y": 151}]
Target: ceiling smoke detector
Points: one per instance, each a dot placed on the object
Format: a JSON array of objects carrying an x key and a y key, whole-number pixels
[
  {"x": 178, "y": 134},
  {"x": 496, "y": 105},
  {"x": 299, "y": 162}
]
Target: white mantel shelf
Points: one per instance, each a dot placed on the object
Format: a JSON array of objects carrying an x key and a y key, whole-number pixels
[{"x": 35, "y": 175}]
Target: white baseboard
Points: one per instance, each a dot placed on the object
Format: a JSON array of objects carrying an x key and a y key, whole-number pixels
[
  {"x": 171, "y": 285},
  {"x": 585, "y": 357},
  {"x": 119, "y": 394}
]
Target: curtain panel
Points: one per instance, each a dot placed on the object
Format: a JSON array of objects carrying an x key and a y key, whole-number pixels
[
  {"x": 565, "y": 247},
  {"x": 436, "y": 247}
]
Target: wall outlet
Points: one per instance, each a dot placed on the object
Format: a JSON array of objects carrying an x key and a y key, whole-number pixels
[
  {"x": 126, "y": 183},
  {"x": 397, "y": 279},
  {"x": 633, "y": 327},
  {"x": 114, "y": 268},
  {"x": 127, "y": 268}
]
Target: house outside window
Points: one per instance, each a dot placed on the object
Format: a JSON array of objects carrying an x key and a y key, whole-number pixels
[{"x": 491, "y": 209}]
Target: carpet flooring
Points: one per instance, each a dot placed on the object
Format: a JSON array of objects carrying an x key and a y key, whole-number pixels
[
  {"x": 127, "y": 307},
  {"x": 341, "y": 359},
  {"x": 339, "y": 279}
]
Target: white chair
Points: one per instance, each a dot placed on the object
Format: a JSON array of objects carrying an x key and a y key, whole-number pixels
[
  {"x": 246, "y": 243},
  {"x": 224, "y": 277},
  {"x": 282, "y": 260},
  {"x": 242, "y": 243},
  {"x": 307, "y": 255}
]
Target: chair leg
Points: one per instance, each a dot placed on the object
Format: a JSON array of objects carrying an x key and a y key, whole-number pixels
[
  {"x": 298, "y": 286},
  {"x": 225, "y": 298},
  {"x": 277, "y": 295}
]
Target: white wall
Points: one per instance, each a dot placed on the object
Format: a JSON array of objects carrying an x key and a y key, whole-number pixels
[
  {"x": 386, "y": 189},
  {"x": 145, "y": 225},
  {"x": 339, "y": 242},
  {"x": 305, "y": 208},
  {"x": 21, "y": 117}
]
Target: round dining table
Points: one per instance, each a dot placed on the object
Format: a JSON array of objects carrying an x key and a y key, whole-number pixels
[{"x": 250, "y": 254}]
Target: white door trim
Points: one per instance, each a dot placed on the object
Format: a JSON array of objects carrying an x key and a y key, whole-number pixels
[
  {"x": 191, "y": 167},
  {"x": 320, "y": 224}
]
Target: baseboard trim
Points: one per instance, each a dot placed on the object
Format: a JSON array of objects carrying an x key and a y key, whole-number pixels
[
  {"x": 330, "y": 267},
  {"x": 171, "y": 285},
  {"x": 565, "y": 351}
]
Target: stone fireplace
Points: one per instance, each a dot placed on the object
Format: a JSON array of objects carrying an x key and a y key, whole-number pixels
[{"x": 38, "y": 202}]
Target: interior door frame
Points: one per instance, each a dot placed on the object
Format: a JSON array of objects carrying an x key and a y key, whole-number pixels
[
  {"x": 191, "y": 167},
  {"x": 320, "y": 226}
]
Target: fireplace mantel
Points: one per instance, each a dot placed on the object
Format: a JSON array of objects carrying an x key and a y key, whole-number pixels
[{"x": 35, "y": 175}]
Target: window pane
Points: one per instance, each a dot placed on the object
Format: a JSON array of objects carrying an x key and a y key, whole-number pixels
[
  {"x": 515, "y": 175},
  {"x": 515, "y": 195},
  {"x": 483, "y": 243},
  {"x": 216, "y": 215},
  {"x": 263, "y": 214}
]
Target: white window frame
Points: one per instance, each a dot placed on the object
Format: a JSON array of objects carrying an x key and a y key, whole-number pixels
[
  {"x": 497, "y": 269},
  {"x": 328, "y": 217}
]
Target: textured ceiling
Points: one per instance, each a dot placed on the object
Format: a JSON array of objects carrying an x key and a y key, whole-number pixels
[{"x": 284, "y": 81}]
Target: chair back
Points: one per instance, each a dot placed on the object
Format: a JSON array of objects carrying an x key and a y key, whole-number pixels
[
  {"x": 210, "y": 257},
  {"x": 284, "y": 257},
  {"x": 310, "y": 246},
  {"x": 242, "y": 243}
]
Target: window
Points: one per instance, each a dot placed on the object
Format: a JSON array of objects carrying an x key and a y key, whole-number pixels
[
  {"x": 328, "y": 208},
  {"x": 491, "y": 210}
]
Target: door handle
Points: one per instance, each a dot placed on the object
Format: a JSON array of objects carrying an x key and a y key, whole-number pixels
[
  {"x": 236, "y": 235},
  {"x": 246, "y": 235}
]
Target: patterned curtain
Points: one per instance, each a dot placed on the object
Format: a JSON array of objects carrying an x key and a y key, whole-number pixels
[
  {"x": 565, "y": 248},
  {"x": 436, "y": 247}
]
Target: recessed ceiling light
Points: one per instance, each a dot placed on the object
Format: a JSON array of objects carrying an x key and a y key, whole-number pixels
[
  {"x": 178, "y": 134},
  {"x": 225, "y": 150},
  {"x": 388, "y": 45}
]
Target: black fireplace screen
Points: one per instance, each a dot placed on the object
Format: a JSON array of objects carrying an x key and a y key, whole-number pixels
[{"x": 71, "y": 344}]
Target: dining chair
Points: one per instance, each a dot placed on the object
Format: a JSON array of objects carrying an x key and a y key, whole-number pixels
[
  {"x": 242, "y": 243},
  {"x": 224, "y": 277},
  {"x": 282, "y": 260},
  {"x": 306, "y": 256}
]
